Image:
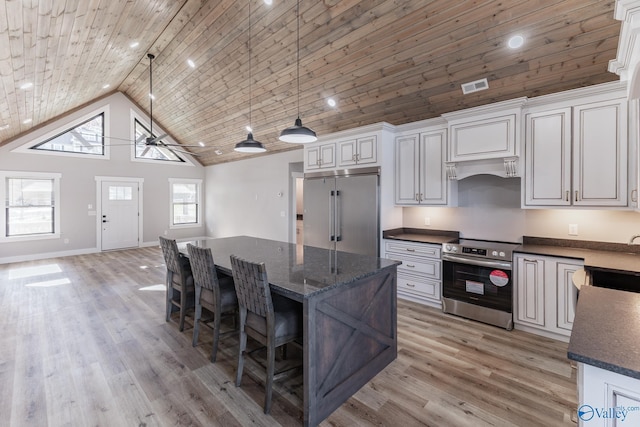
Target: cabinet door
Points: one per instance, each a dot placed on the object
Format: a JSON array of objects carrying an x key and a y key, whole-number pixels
[
  {"x": 407, "y": 170},
  {"x": 328, "y": 155},
  {"x": 600, "y": 154},
  {"x": 483, "y": 139},
  {"x": 433, "y": 175},
  {"x": 347, "y": 152},
  {"x": 548, "y": 158},
  {"x": 312, "y": 158},
  {"x": 566, "y": 295},
  {"x": 367, "y": 150},
  {"x": 530, "y": 284}
]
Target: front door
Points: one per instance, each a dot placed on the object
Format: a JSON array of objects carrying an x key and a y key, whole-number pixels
[{"x": 119, "y": 216}]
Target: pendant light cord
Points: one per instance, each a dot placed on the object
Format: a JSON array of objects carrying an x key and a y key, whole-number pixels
[
  {"x": 150, "y": 93},
  {"x": 298, "y": 52},
  {"x": 250, "y": 86}
]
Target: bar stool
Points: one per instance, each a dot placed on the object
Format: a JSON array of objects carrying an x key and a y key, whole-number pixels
[
  {"x": 215, "y": 294},
  {"x": 179, "y": 280},
  {"x": 273, "y": 321}
]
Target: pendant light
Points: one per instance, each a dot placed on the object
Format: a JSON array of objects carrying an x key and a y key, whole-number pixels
[
  {"x": 250, "y": 145},
  {"x": 298, "y": 134}
]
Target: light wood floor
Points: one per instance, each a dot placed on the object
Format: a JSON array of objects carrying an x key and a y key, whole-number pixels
[{"x": 84, "y": 343}]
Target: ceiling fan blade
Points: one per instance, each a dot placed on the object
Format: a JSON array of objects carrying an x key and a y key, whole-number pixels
[
  {"x": 141, "y": 139},
  {"x": 156, "y": 139},
  {"x": 183, "y": 145},
  {"x": 183, "y": 151}
]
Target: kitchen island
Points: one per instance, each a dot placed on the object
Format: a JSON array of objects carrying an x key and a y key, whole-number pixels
[{"x": 349, "y": 303}]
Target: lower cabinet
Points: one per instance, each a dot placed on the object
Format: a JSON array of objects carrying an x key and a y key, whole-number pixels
[
  {"x": 545, "y": 297},
  {"x": 606, "y": 398},
  {"x": 420, "y": 274}
]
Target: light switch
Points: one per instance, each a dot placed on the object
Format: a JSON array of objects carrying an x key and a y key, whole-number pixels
[{"x": 573, "y": 229}]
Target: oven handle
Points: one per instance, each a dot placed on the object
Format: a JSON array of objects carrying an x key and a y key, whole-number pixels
[{"x": 479, "y": 262}]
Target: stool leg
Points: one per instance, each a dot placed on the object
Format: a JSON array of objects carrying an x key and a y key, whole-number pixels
[
  {"x": 196, "y": 317},
  {"x": 271, "y": 362},
  {"x": 169, "y": 283},
  {"x": 216, "y": 333}
]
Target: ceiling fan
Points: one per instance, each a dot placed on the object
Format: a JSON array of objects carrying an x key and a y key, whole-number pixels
[{"x": 149, "y": 141}]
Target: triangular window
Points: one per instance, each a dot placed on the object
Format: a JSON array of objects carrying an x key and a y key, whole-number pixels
[
  {"x": 85, "y": 138},
  {"x": 157, "y": 151}
]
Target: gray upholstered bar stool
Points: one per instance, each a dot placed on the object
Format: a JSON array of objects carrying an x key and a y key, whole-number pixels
[
  {"x": 216, "y": 294},
  {"x": 273, "y": 321},
  {"x": 180, "y": 288}
]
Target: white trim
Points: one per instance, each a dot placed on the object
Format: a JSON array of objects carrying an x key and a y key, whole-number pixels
[
  {"x": 26, "y": 148},
  {"x": 158, "y": 131},
  {"x": 46, "y": 255},
  {"x": 198, "y": 183},
  {"x": 57, "y": 203},
  {"x": 99, "y": 181}
]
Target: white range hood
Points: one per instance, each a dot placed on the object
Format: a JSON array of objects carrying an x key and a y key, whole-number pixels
[{"x": 504, "y": 167}]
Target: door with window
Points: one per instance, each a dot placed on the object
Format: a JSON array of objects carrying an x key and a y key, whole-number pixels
[{"x": 119, "y": 216}]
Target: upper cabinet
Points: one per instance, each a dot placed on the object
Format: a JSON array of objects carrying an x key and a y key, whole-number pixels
[
  {"x": 320, "y": 156},
  {"x": 577, "y": 155},
  {"x": 358, "y": 151}
]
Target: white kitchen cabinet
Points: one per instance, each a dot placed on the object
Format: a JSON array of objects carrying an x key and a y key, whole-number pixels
[
  {"x": 420, "y": 171},
  {"x": 545, "y": 298},
  {"x": 320, "y": 156},
  {"x": 577, "y": 156},
  {"x": 420, "y": 274},
  {"x": 358, "y": 151},
  {"x": 603, "y": 395}
]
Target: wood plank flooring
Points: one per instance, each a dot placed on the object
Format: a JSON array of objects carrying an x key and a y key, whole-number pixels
[{"x": 85, "y": 343}]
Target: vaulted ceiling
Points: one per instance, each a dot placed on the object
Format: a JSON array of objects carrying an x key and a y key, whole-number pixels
[{"x": 381, "y": 60}]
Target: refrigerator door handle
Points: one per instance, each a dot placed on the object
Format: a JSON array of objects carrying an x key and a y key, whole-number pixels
[
  {"x": 337, "y": 219},
  {"x": 332, "y": 209}
]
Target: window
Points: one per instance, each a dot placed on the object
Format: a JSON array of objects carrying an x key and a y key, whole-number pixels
[
  {"x": 155, "y": 152},
  {"x": 185, "y": 202},
  {"x": 31, "y": 205},
  {"x": 85, "y": 138}
]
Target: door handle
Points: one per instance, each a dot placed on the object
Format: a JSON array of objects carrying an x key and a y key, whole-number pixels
[
  {"x": 332, "y": 211},
  {"x": 104, "y": 220},
  {"x": 338, "y": 224}
]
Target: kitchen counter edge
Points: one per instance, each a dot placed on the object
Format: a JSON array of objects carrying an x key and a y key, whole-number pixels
[{"x": 420, "y": 235}]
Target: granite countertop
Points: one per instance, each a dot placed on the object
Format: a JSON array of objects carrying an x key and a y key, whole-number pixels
[
  {"x": 420, "y": 235},
  {"x": 596, "y": 255},
  {"x": 601, "y": 335},
  {"x": 296, "y": 271}
]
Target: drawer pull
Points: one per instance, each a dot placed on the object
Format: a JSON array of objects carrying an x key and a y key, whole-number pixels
[
  {"x": 410, "y": 250},
  {"x": 411, "y": 266},
  {"x": 411, "y": 285}
]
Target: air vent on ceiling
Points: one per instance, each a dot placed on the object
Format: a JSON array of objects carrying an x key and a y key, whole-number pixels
[{"x": 475, "y": 86}]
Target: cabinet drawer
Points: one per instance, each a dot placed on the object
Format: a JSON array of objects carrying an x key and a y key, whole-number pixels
[
  {"x": 416, "y": 249},
  {"x": 430, "y": 268},
  {"x": 415, "y": 285}
]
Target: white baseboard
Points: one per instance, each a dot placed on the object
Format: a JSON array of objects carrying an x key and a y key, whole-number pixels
[{"x": 45, "y": 255}]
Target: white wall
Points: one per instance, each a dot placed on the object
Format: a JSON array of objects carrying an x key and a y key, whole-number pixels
[
  {"x": 78, "y": 185},
  {"x": 243, "y": 197},
  {"x": 489, "y": 208}
]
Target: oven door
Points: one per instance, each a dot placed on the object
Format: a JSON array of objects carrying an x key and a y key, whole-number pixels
[{"x": 479, "y": 282}]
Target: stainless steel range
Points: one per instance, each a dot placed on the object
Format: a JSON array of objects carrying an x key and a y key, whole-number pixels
[{"x": 477, "y": 282}]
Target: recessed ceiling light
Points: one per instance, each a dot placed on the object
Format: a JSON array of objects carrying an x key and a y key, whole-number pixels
[
  {"x": 218, "y": 152},
  {"x": 201, "y": 144},
  {"x": 106, "y": 86},
  {"x": 25, "y": 121},
  {"x": 268, "y": 2},
  {"x": 133, "y": 45},
  {"x": 152, "y": 97},
  {"x": 191, "y": 63},
  {"x": 26, "y": 85},
  {"x": 331, "y": 102},
  {"x": 516, "y": 41}
]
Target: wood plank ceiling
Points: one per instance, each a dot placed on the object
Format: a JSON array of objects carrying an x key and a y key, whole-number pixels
[{"x": 381, "y": 60}]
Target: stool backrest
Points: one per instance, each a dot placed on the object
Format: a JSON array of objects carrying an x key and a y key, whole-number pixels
[
  {"x": 203, "y": 268},
  {"x": 171, "y": 254},
  {"x": 252, "y": 286}
]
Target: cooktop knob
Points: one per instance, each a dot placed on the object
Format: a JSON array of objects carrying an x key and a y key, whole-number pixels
[
  {"x": 448, "y": 247},
  {"x": 494, "y": 253},
  {"x": 502, "y": 254}
]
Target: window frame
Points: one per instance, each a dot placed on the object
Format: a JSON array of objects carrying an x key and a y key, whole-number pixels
[
  {"x": 4, "y": 177},
  {"x": 159, "y": 131},
  {"x": 198, "y": 183},
  {"x": 68, "y": 126}
]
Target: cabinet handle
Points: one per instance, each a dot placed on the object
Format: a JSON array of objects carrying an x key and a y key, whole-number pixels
[
  {"x": 566, "y": 196},
  {"x": 530, "y": 260},
  {"x": 411, "y": 266},
  {"x": 634, "y": 195},
  {"x": 421, "y": 198},
  {"x": 576, "y": 195},
  {"x": 417, "y": 200},
  {"x": 411, "y": 285},
  {"x": 410, "y": 250}
]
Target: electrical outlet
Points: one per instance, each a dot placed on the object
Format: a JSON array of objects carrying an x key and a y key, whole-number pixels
[
  {"x": 573, "y": 229},
  {"x": 427, "y": 220}
]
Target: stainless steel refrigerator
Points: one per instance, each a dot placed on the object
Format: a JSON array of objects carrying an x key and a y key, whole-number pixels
[{"x": 341, "y": 210}]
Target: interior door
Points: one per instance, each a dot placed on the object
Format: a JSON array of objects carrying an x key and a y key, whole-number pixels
[{"x": 119, "y": 216}]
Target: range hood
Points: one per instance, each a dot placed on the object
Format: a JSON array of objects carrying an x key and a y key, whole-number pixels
[{"x": 504, "y": 167}]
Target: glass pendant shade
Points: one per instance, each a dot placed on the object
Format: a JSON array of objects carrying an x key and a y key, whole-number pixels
[
  {"x": 298, "y": 134},
  {"x": 250, "y": 145}
]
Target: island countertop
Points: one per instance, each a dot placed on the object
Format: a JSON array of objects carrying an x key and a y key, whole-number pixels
[
  {"x": 296, "y": 271},
  {"x": 604, "y": 331}
]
